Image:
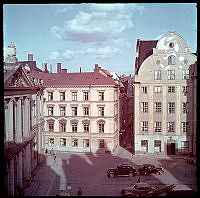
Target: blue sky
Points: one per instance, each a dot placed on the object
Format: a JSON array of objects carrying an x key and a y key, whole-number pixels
[{"x": 81, "y": 35}]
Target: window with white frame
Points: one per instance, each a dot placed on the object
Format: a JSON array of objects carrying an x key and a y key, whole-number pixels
[
  {"x": 74, "y": 96},
  {"x": 144, "y": 106},
  {"x": 50, "y": 96},
  {"x": 185, "y": 146},
  {"x": 101, "y": 111},
  {"x": 171, "y": 89},
  {"x": 144, "y": 90},
  {"x": 157, "y": 89},
  {"x": 86, "y": 127},
  {"x": 157, "y": 126},
  {"x": 62, "y": 96},
  {"x": 185, "y": 74},
  {"x": 75, "y": 143},
  {"x": 171, "y": 60},
  {"x": 62, "y": 111},
  {"x": 171, "y": 127},
  {"x": 171, "y": 74},
  {"x": 144, "y": 145},
  {"x": 74, "y": 127},
  {"x": 157, "y": 106},
  {"x": 185, "y": 107},
  {"x": 86, "y": 143},
  {"x": 184, "y": 127},
  {"x": 101, "y": 127},
  {"x": 51, "y": 126},
  {"x": 51, "y": 141},
  {"x": 50, "y": 111},
  {"x": 85, "y": 96},
  {"x": 171, "y": 107},
  {"x": 74, "y": 111},
  {"x": 101, "y": 143},
  {"x": 144, "y": 126},
  {"x": 62, "y": 126},
  {"x": 101, "y": 95},
  {"x": 86, "y": 111},
  {"x": 157, "y": 146},
  {"x": 184, "y": 89},
  {"x": 157, "y": 75},
  {"x": 62, "y": 141}
]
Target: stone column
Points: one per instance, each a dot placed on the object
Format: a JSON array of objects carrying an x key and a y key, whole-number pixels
[
  {"x": 9, "y": 121},
  {"x": 18, "y": 121},
  {"x": 5, "y": 120},
  {"x": 11, "y": 177},
  {"x": 19, "y": 169},
  {"x": 26, "y": 117},
  {"x": 14, "y": 119}
]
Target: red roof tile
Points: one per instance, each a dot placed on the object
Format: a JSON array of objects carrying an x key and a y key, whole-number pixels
[
  {"x": 144, "y": 49},
  {"x": 84, "y": 78}
]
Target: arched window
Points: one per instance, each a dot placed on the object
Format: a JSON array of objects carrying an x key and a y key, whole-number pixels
[{"x": 171, "y": 60}]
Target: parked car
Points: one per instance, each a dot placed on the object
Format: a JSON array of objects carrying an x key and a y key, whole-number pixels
[
  {"x": 146, "y": 190},
  {"x": 138, "y": 189},
  {"x": 147, "y": 169},
  {"x": 122, "y": 170}
]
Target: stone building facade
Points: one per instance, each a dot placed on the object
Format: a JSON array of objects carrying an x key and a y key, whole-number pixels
[
  {"x": 23, "y": 123},
  {"x": 80, "y": 111},
  {"x": 164, "y": 109}
]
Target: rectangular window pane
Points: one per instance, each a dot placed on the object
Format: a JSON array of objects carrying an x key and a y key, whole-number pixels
[
  {"x": 75, "y": 143},
  {"x": 51, "y": 141},
  {"x": 74, "y": 96},
  {"x": 101, "y": 95},
  {"x": 74, "y": 127},
  {"x": 185, "y": 74},
  {"x": 144, "y": 89},
  {"x": 144, "y": 106},
  {"x": 157, "y": 126},
  {"x": 85, "y": 96},
  {"x": 157, "y": 89},
  {"x": 101, "y": 128},
  {"x": 171, "y": 127},
  {"x": 144, "y": 126},
  {"x": 171, "y": 107},
  {"x": 171, "y": 89},
  {"x": 86, "y": 143},
  {"x": 101, "y": 143},
  {"x": 101, "y": 111},
  {"x": 50, "y": 111},
  {"x": 86, "y": 127},
  {"x": 157, "y": 106},
  {"x": 74, "y": 111},
  {"x": 171, "y": 74},
  {"x": 62, "y": 142},
  {"x": 157, "y": 145},
  {"x": 86, "y": 111},
  {"x": 62, "y": 95},
  {"x": 62, "y": 111},
  {"x": 157, "y": 75},
  {"x": 185, "y": 107},
  {"x": 50, "y": 95}
]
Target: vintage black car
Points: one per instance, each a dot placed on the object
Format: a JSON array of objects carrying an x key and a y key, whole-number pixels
[
  {"x": 122, "y": 170},
  {"x": 147, "y": 169}
]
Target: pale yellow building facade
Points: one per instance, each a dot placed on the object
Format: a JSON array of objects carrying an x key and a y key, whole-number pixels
[{"x": 163, "y": 100}]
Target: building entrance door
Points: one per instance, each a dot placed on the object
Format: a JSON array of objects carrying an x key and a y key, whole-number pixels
[{"x": 171, "y": 149}]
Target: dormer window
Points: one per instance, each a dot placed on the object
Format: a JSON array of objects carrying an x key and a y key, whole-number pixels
[{"x": 171, "y": 60}]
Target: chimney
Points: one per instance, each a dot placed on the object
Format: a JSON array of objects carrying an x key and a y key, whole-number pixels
[
  {"x": 50, "y": 68},
  {"x": 58, "y": 67},
  {"x": 96, "y": 69},
  {"x": 45, "y": 66},
  {"x": 30, "y": 57},
  {"x": 80, "y": 69}
]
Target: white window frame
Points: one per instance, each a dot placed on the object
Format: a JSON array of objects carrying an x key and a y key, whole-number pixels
[
  {"x": 171, "y": 74},
  {"x": 157, "y": 127},
  {"x": 171, "y": 107},
  {"x": 157, "y": 89},
  {"x": 157, "y": 75},
  {"x": 144, "y": 126}
]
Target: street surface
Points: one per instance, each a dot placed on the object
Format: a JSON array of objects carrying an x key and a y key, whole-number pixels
[{"x": 88, "y": 171}]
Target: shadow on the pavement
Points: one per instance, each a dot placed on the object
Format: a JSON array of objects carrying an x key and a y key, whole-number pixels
[{"x": 88, "y": 171}]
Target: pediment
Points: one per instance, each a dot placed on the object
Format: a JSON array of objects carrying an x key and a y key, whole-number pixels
[{"x": 18, "y": 79}]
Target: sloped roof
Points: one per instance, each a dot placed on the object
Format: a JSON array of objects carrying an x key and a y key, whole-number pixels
[
  {"x": 144, "y": 49},
  {"x": 84, "y": 78}
]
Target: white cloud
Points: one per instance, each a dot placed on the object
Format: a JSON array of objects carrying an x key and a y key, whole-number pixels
[
  {"x": 68, "y": 55},
  {"x": 102, "y": 53},
  {"x": 121, "y": 43},
  {"x": 93, "y": 27},
  {"x": 63, "y": 9},
  {"x": 54, "y": 55}
]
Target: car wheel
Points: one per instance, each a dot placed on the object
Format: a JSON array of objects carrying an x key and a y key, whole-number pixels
[
  {"x": 112, "y": 175},
  {"x": 123, "y": 193},
  {"x": 129, "y": 195},
  {"x": 131, "y": 175}
]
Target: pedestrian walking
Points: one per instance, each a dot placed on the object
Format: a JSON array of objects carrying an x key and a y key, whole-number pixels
[
  {"x": 80, "y": 192},
  {"x": 46, "y": 151}
]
